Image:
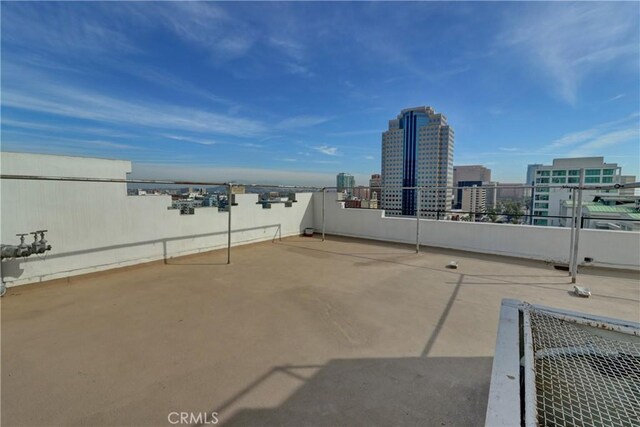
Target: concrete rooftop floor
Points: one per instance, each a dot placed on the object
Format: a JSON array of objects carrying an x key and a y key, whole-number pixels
[{"x": 299, "y": 332}]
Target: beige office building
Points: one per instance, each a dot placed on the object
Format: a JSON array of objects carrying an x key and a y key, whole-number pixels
[{"x": 417, "y": 150}]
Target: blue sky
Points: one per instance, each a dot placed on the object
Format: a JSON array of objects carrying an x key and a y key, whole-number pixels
[{"x": 296, "y": 92}]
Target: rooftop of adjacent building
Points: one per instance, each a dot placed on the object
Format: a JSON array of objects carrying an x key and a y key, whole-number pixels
[
  {"x": 579, "y": 161},
  {"x": 298, "y": 332}
]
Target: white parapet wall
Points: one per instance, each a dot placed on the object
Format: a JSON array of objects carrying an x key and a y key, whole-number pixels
[
  {"x": 612, "y": 249},
  {"x": 96, "y": 226}
]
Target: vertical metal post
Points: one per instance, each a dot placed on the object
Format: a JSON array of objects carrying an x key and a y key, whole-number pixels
[
  {"x": 574, "y": 271},
  {"x": 532, "y": 204},
  {"x": 418, "y": 222},
  {"x": 229, "y": 197},
  {"x": 324, "y": 191},
  {"x": 574, "y": 203},
  {"x": 472, "y": 197}
]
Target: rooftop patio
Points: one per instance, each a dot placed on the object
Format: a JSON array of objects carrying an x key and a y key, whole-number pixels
[{"x": 297, "y": 332}]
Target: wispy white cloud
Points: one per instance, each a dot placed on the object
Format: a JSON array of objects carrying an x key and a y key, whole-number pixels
[
  {"x": 614, "y": 98},
  {"x": 509, "y": 149},
  {"x": 325, "y": 149},
  {"x": 569, "y": 41},
  {"x": 201, "y": 24},
  {"x": 37, "y": 92},
  {"x": 588, "y": 135},
  {"x": 83, "y": 104},
  {"x": 369, "y": 157},
  {"x": 37, "y": 139},
  {"x": 64, "y": 128},
  {"x": 302, "y": 122},
  {"x": 357, "y": 132},
  {"x": 596, "y": 145},
  {"x": 190, "y": 139},
  {"x": 169, "y": 81},
  {"x": 573, "y": 138},
  {"x": 62, "y": 29}
]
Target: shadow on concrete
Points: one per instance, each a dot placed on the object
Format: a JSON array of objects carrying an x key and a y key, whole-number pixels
[
  {"x": 376, "y": 391},
  {"x": 443, "y": 317},
  {"x": 440, "y": 391}
]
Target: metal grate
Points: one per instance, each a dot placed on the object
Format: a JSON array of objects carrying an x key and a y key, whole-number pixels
[{"x": 584, "y": 375}]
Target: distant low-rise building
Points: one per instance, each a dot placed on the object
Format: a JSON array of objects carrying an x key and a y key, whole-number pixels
[
  {"x": 605, "y": 213},
  {"x": 352, "y": 203},
  {"x": 474, "y": 200},
  {"x": 547, "y": 202},
  {"x": 369, "y": 204},
  {"x": 362, "y": 192},
  {"x": 468, "y": 176}
]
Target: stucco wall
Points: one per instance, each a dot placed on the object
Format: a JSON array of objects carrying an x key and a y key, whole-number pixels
[
  {"x": 613, "y": 249},
  {"x": 96, "y": 226}
]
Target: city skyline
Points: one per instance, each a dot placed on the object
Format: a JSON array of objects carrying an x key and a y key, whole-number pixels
[{"x": 293, "y": 93}]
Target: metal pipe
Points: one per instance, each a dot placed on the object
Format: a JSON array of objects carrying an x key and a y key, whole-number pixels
[
  {"x": 229, "y": 196},
  {"x": 565, "y": 186},
  {"x": 574, "y": 271},
  {"x": 418, "y": 223},
  {"x": 324, "y": 191},
  {"x": 573, "y": 229},
  {"x": 220, "y": 184},
  {"x": 112, "y": 180}
]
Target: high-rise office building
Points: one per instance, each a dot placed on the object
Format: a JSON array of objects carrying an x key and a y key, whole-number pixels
[
  {"x": 468, "y": 176},
  {"x": 417, "y": 150},
  {"x": 345, "y": 183}
]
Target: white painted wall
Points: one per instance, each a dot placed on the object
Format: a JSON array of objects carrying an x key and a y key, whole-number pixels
[
  {"x": 96, "y": 226},
  {"x": 613, "y": 249}
]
